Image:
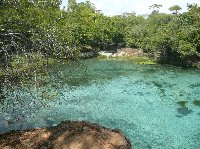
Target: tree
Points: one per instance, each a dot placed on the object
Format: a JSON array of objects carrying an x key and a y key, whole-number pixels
[
  {"x": 175, "y": 9},
  {"x": 155, "y": 8},
  {"x": 71, "y": 5}
]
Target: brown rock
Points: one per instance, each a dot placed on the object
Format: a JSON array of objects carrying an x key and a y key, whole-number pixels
[{"x": 67, "y": 135}]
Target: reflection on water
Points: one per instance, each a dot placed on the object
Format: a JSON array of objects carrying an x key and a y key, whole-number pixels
[{"x": 141, "y": 100}]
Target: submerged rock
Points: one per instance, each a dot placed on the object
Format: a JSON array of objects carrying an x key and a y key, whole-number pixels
[
  {"x": 196, "y": 102},
  {"x": 182, "y": 104},
  {"x": 67, "y": 135}
]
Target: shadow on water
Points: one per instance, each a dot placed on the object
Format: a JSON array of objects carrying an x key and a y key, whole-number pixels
[
  {"x": 196, "y": 103},
  {"x": 183, "y": 112}
]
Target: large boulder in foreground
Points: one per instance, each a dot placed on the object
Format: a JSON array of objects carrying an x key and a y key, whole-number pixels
[{"x": 67, "y": 135}]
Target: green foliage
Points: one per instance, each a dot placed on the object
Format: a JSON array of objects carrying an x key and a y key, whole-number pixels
[
  {"x": 175, "y": 9},
  {"x": 41, "y": 27},
  {"x": 71, "y": 5},
  {"x": 155, "y": 8},
  {"x": 36, "y": 33},
  {"x": 174, "y": 39}
]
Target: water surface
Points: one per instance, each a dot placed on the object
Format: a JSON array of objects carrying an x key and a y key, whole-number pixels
[{"x": 141, "y": 100}]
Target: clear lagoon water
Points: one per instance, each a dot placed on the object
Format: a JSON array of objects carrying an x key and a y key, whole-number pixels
[{"x": 140, "y": 100}]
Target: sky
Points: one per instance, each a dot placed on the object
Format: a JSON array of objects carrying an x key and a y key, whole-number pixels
[{"x": 116, "y": 7}]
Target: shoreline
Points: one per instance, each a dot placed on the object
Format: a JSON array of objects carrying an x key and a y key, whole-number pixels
[
  {"x": 137, "y": 55},
  {"x": 68, "y": 134}
]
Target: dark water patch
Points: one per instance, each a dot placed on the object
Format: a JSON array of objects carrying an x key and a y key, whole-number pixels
[
  {"x": 150, "y": 71},
  {"x": 195, "y": 85},
  {"x": 148, "y": 147},
  {"x": 184, "y": 111},
  {"x": 148, "y": 83},
  {"x": 138, "y": 81},
  {"x": 174, "y": 76},
  {"x": 179, "y": 116},
  {"x": 181, "y": 94},
  {"x": 162, "y": 84},
  {"x": 124, "y": 91},
  {"x": 157, "y": 84},
  {"x": 162, "y": 91},
  {"x": 140, "y": 93},
  {"x": 196, "y": 102}
]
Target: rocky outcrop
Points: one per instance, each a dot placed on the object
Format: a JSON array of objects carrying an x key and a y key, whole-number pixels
[
  {"x": 122, "y": 52},
  {"x": 67, "y": 135}
]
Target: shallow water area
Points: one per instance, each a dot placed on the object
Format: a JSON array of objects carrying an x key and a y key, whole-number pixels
[{"x": 140, "y": 100}]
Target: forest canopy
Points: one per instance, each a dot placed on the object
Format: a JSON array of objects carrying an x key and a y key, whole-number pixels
[{"x": 40, "y": 27}]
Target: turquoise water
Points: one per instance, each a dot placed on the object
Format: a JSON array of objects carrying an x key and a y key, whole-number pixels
[{"x": 140, "y": 100}]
